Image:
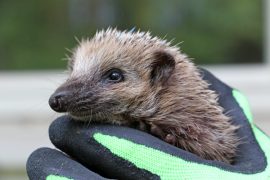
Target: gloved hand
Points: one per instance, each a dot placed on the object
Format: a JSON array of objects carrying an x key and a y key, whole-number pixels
[{"x": 113, "y": 152}]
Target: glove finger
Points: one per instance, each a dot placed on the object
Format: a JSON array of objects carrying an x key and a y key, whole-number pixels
[
  {"x": 77, "y": 140},
  {"x": 50, "y": 164}
]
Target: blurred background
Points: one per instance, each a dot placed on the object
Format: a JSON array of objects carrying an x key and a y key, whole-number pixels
[{"x": 230, "y": 38}]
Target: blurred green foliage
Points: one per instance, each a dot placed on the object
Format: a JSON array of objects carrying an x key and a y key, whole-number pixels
[{"x": 34, "y": 34}]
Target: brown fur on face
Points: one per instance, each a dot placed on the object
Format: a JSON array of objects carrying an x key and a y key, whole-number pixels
[{"x": 161, "y": 91}]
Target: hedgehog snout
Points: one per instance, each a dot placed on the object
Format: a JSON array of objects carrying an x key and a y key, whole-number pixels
[{"x": 59, "y": 101}]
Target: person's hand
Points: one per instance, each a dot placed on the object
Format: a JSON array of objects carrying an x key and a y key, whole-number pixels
[{"x": 114, "y": 152}]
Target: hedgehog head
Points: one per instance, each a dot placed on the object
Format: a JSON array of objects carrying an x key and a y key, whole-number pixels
[{"x": 115, "y": 75}]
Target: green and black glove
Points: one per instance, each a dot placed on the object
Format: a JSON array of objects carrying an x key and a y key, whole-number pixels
[{"x": 113, "y": 152}]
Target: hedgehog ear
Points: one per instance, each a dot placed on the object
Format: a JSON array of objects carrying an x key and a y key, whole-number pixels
[{"x": 162, "y": 67}]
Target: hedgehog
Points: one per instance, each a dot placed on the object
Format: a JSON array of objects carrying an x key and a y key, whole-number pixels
[{"x": 134, "y": 79}]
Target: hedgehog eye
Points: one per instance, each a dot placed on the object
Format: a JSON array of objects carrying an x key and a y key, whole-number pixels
[{"x": 115, "y": 76}]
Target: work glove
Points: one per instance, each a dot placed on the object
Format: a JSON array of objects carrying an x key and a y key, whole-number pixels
[{"x": 99, "y": 151}]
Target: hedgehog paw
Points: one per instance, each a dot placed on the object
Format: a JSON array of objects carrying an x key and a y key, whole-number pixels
[{"x": 171, "y": 139}]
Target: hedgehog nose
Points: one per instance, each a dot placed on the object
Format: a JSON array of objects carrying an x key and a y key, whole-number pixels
[{"x": 58, "y": 101}]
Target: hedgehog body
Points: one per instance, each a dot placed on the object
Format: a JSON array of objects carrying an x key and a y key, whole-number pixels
[{"x": 134, "y": 79}]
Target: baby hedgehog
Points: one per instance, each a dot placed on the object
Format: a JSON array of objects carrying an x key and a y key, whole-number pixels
[{"x": 136, "y": 80}]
